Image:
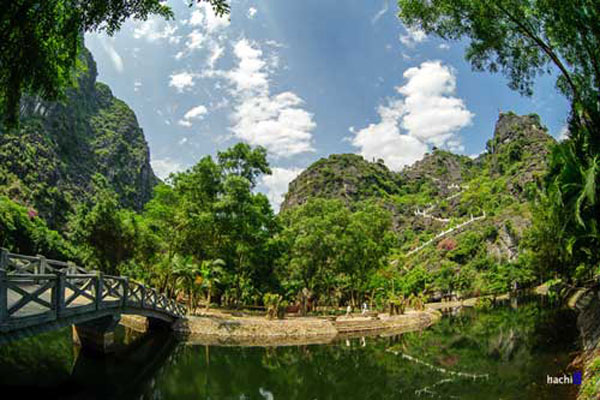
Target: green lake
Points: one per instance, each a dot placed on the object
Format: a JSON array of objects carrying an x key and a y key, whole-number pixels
[{"x": 501, "y": 353}]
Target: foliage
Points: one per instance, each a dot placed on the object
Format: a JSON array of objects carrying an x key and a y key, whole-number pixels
[
  {"x": 22, "y": 231},
  {"x": 590, "y": 387},
  {"x": 40, "y": 41},
  {"x": 328, "y": 245},
  {"x": 416, "y": 301},
  {"x": 522, "y": 39},
  {"x": 565, "y": 234},
  {"x": 107, "y": 236},
  {"x": 397, "y": 304},
  {"x": 275, "y": 305}
]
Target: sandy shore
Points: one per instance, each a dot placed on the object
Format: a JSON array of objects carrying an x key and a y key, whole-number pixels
[
  {"x": 230, "y": 328},
  {"x": 221, "y": 329}
]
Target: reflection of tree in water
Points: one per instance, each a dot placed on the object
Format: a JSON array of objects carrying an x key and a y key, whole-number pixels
[{"x": 510, "y": 345}]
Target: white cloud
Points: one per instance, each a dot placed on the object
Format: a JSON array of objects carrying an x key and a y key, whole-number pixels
[
  {"x": 277, "y": 122},
  {"x": 274, "y": 43},
  {"x": 203, "y": 15},
  {"x": 182, "y": 81},
  {"x": 251, "y": 12},
  {"x": 413, "y": 36},
  {"x": 195, "y": 40},
  {"x": 165, "y": 166},
  {"x": 431, "y": 114},
  {"x": 426, "y": 115},
  {"x": 207, "y": 34},
  {"x": 112, "y": 53},
  {"x": 216, "y": 52},
  {"x": 384, "y": 140},
  {"x": 276, "y": 184},
  {"x": 137, "y": 85},
  {"x": 444, "y": 46},
  {"x": 564, "y": 133},
  {"x": 195, "y": 113},
  {"x": 155, "y": 29}
]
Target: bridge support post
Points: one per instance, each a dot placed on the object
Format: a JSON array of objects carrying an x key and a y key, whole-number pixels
[{"x": 97, "y": 336}]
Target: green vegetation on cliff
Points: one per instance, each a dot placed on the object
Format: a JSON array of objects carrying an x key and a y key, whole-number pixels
[{"x": 50, "y": 163}]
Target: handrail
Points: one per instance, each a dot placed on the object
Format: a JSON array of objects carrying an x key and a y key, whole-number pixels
[{"x": 51, "y": 289}]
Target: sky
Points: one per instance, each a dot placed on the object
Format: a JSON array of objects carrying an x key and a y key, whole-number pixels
[{"x": 305, "y": 79}]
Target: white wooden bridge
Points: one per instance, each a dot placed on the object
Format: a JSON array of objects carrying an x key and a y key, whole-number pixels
[{"x": 38, "y": 295}]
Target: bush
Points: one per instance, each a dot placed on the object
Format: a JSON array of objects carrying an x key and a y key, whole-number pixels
[
  {"x": 275, "y": 305},
  {"x": 22, "y": 231}
]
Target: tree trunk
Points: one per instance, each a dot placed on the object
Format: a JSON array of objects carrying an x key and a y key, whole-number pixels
[{"x": 208, "y": 299}]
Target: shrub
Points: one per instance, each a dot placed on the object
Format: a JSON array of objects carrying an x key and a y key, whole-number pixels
[{"x": 447, "y": 244}]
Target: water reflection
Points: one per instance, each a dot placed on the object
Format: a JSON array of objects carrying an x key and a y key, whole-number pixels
[{"x": 513, "y": 348}]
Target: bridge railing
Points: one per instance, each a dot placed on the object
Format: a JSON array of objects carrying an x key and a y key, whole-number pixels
[{"x": 35, "y": 290}]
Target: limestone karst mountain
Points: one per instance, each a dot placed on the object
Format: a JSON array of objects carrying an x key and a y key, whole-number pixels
[
  {"x": 479, "y": 203},
  {"x": 64, "y": 148}
]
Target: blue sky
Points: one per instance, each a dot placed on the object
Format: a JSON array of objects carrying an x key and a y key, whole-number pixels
[{"x": 305, "y": 79}]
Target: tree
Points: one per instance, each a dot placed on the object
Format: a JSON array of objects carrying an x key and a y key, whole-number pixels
[
  {"x": 311, "y": 233},
  {"x": 104, "y": 235},
  {"x": 331, "y": 248},
  {"x": 23, "y": 231},
  {"x": 185, "y": 271},
  {"x": 365, "y": 243},
  {"x": 40, "y": 41},
  {"x": 244, "y": 161},
  {"x": 211, "y": 212},
  {"x": 520, "y": 38},
  {"x": 211, "y": 272}
]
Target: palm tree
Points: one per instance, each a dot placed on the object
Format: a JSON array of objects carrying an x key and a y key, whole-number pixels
[
  {"x": 568, "y": 210},
  {"x": 211, "y": 272},
  {"x": 185, "y": 272}
]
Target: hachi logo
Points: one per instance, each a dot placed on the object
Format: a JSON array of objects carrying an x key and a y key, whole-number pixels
[{"x": 574, "y": 379}]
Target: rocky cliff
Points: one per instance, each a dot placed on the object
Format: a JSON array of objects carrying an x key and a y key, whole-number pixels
[{"x": 63, "y": 149}]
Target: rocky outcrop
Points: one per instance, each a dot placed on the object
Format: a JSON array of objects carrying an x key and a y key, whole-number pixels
[
  {"x": 432, "y": 197},
  {"x": 442, "y": 169},
  {"x": 342, "y": 176},
  {"x": 62, "y": 147},
  {"x": 519, "y": 149},
  {"x": 587, "y": 304}
]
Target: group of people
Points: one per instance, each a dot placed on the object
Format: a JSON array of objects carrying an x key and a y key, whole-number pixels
[{"x": 364, "y": 309}]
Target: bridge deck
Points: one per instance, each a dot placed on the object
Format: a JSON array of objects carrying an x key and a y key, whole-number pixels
[{"x": 45, "y": 294}]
